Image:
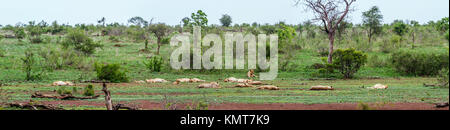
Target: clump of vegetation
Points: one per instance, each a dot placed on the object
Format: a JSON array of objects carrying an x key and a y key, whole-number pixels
[
  {"x": 56, "y": 59},
  {"x": 286, "y": 35},
  {"x": 64, "y": 91},
  {"x": 29, "y": 62},
  {"x": 154, "y": 64},
  {"x": 349, "y": 61},
  {"x": 35, "y": 31},
  {"x": 113, "y": 39},
  {"x": 81, "y": 42},
  {"x": 89, "y": 91},
  {"x": 19, "y": 32},
  {"x": 111, "y": 72},
  {"x": 2, "y": 53},
  {"x": 364, "y": 106},
  {"x": 419, "y": 63},
  {"x": 377, "y": 61},
  {"x": 443, "y": 78}
]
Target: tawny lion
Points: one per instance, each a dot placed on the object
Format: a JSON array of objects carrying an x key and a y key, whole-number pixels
[
  {"x": 268, "y": 87},
  {"x": 209, "y": 85}
]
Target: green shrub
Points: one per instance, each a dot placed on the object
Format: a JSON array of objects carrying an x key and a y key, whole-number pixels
[
  {"x": 111, "y": 73},
  {"x": 154, "y": 64},
  {"x": 28, "y": 63},
  {"x": 443, "y": 77},
  {"x": 447, "y": 36},
  {"x": 81, "y": 42},
  {"x": 2, "y": 53},
  {"x": 377, "y": 61},
  {"x": 89, "y": 91},
  {"x": 19, "y": 33},
  {"x": 63, "y": 91},
  {"x": 56, "y": 59},
  {"x": 348, "y": 61},
  {"x": 114, "y": 39},
  {"x": 419, "y": 63}
]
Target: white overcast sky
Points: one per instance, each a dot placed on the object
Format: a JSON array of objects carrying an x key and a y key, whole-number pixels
[{"x": 172, "y": 11}]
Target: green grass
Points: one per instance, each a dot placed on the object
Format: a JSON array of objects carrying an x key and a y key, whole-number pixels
[{"x": 405, "y": 89}]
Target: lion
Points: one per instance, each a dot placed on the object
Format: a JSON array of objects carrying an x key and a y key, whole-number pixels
[
  {"x": 244, "y": 85},
  {"x": 234, "y": 80},
  {"x": 209, "y": 85},
  {"x": 379, "y": 86},
  {"x": 251, "y": 74},
  {"x": 255, "y": 83},
  {"x": 195, "y": 80},
  {"x": 157, "y": 80},
  {"x": 268, "y": 87},
  {"x": 62, "y": 83},
  {"x": 140, "y": 82},
  {"x": 320, "y": 87}
]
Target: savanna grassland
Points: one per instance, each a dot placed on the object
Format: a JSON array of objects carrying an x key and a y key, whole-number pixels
[{"x": 301, "y": 66}]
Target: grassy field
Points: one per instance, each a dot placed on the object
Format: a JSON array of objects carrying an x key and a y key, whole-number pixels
[{"x": 294, "y": 85}]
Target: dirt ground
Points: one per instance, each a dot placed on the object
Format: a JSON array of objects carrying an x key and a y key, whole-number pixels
[{"x": 146, "y": 105}]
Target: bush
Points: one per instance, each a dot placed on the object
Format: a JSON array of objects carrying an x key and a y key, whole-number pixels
[
  {"x": 348, "y": 61},
  {"x": 81, "y": 42},
  {"x": 56, "y": 59},
  {"x": 377, "y": 61},
  {"x": 419, "y": 63},
  {"x": 114, "y": 39},
  {"x": 154, "y": 64},
  {"x": 89, "y": 91},
  {"x": 443, "y": 78},
  {"x": 28, "y": 66},
  {"x": 2, "y": 53},
  {"x": 63, "y": 91},
  {"x": 111, "y": 73}
]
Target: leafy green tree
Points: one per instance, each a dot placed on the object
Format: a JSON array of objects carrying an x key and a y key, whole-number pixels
[
  {"x": 80, "y": 41},
  {"x": 226, "y": 20},
  {"x": 400, "y": 28},
  {"x": 199, "y": 19},
  {"x": 19, "y": 32},
  {"x": 138, "y": 21},
  {"x": 442, "y": 25},
  {"x": 186, "y": 21},
  {"x": 372, "y": 22},
  {"x": 286, "y": 35},
  {"x": 160, "y": 30},
  {"x": 35, "y": 31}
]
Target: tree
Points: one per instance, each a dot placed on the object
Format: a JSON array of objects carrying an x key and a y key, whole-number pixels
[
  {"x": 442, "y": 25},
  {"x": 400, "y": 28},
  {"x": 199, "y": 19},
  {"x": 186, "y": 21},
  {"x": 80, "y": 41},
  {"x": 102, "y": 21},
  {"x": 138, "y": 21},
  {"x": 160, "y": 30},
  {"x": 372, "y": 22},
  {"x": 414, "y": 25},
  {"x": 329, "y": 12},
  {"x": 226, "y": 20}
]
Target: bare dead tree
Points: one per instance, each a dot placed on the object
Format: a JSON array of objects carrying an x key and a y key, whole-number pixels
[
  {"x": 108, "y": 102},
  {"x": 330, "y": 13}
]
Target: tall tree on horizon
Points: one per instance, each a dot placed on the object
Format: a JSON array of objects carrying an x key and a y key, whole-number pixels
[
  {"x": 331, "y": 14},
  {"x": 372, "y": 22}
]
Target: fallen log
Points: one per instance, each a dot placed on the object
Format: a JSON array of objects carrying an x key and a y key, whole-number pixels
[
  {"x": 34, "y": 106},
  {"x": 442, "y": 105},
  {"x": 124, "y": 106},
  {"x": 62, "y": 97}
]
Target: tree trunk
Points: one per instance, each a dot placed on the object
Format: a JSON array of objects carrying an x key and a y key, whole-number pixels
[
  {"x": 108, "y": 101},
  {"x": 159, "y": 46},
  {"x": 331, "y": 48}
]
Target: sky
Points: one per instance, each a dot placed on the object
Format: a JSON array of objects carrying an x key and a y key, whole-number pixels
[{"x": 172, "y": 11}]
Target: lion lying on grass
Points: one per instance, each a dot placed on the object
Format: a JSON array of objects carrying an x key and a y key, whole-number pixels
[
  {"x": 187, "y": 80},
  {"x": 268, "y": 87},
  {"x": 62, "y": 83},
  {"x": 157, "y": 80},
  {"x": 235, "y": 80},
  {"x": 209, "y": 85}
]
